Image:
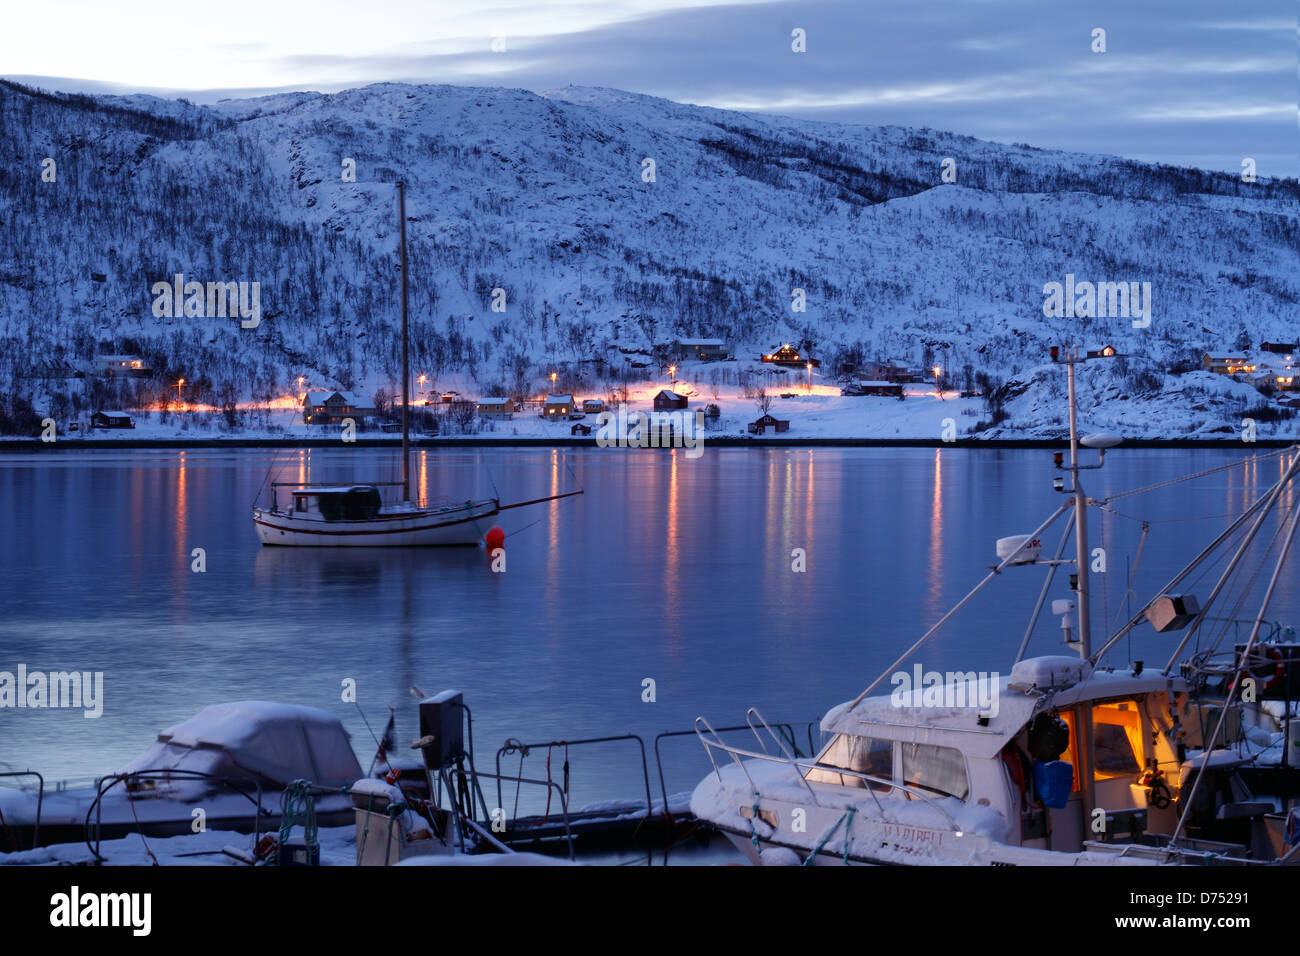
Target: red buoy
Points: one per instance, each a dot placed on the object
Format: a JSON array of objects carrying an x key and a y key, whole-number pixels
[{"x": 495, "y": 538}]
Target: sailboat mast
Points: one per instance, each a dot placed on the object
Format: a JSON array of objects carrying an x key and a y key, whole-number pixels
[
  {"x": 1081, "y": 555},
  {"x": 406, "y": 368}
]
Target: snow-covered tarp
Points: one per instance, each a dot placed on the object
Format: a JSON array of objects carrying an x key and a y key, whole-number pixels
[{"x": 279, "y": 743}]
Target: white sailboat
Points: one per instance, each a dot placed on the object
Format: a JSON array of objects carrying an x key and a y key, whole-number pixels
[
  {"x": 353, "y": 515},
  {"x": 1061, "y": 762}
]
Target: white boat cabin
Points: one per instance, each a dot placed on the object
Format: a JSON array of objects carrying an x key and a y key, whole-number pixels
[
  {"x": 338, "y": 503},
  {"x": 988, "y": 756}
]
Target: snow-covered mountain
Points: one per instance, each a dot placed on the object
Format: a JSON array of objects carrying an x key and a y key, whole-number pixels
[{"x": 551, "y": 199}]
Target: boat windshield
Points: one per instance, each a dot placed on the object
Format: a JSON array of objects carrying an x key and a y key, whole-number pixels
[
  {"x": 356, "y": 504},
  {"x": 940, "y": 770},
  {"x": 869, "y": 755}
]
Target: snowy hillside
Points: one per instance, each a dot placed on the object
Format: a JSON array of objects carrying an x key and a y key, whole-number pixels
[{"x": 547, "y": 198}]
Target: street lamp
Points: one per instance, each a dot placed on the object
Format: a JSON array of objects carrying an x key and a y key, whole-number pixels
[
  {"x": 810, "y": 378},
  {"x": 422, "y": 380},
  {"x": 552, "y": 381},
  {"x": 672, "y": 374},
  {"x": 938, "y": 370},
  {"x": 180, "y": 382}
]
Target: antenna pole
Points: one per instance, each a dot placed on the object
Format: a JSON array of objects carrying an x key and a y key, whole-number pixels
[
  {"x": 1080, "y": 519},
  {"x": 406, "y": 367}
]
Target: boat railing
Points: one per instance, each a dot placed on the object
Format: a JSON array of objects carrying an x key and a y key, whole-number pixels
[
  {"x": 467, "y": 819},
  {"x": 40, "y": 799},
  {"x": 514, "y": 746},
  {"x": 753, "y": 713},
  {"x": 870, "y": 781},
  {"x": 237, "y": 784},
  {"x": 786, "y": 728}
]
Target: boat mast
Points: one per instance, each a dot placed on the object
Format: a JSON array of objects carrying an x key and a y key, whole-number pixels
[
  {"x": 1080, "y": 518},
  {"x": 406, "y": 370}
]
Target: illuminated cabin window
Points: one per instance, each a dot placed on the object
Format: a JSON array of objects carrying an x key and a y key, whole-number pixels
[
  {"x": 1117, "y": 739},
  {"x": 941, "y": 770},
  {"x": 868, "y": 755},
  {"x": 300, "y": 503}
]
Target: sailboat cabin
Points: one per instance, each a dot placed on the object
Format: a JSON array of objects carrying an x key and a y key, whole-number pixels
[{"x": 354, "y": 503}]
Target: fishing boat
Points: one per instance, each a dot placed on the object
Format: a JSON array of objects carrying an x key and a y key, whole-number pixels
[
  {"x": 354, "y": 515},
  {"x": 1065, "y": 760}
]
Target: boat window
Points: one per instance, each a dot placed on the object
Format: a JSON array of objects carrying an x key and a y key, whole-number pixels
[
  {"x": 1117, "y": 739},
  {"x": 868, "y": 755},
  {"x": 355, "y": 505},
  {"x": 940, "y": 769},
  {"x": 300, "y": 503}
]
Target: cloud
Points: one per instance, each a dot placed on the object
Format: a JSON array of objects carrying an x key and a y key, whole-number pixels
[{"x": 1179, "y": 78}]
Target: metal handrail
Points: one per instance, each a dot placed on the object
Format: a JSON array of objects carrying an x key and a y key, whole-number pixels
[
  {"x": 737, "y": 752},
  {"x": 40, "y": 799},
  {"x": 564, "y": 804},
  {"x": 523, "y": 750},
  {"x": 754, "y": 712},
  {"x": 164, "y": 773},
  {"x": 659, "y": 764},
  {"x": 722, "y": 746}
]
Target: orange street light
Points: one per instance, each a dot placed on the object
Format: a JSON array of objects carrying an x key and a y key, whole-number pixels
[{"x": 672, "y": 374}]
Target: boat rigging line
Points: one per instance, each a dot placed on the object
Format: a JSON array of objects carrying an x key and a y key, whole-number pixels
[
  {"x": 1253, "y": 459},
  {"x": 1265, "y": 506},
  {"x": 1250, "y": 645},
  {"x": 1066, "y": 506}
]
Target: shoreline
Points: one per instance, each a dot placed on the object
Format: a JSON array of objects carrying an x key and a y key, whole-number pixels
[{"x": 80, "y": 444}]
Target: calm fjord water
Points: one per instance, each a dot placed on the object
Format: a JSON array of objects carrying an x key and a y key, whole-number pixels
[{"x": 668, "y": 568}]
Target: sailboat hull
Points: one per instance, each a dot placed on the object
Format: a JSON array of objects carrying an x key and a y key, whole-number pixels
[{"x": 452, "y": 526}]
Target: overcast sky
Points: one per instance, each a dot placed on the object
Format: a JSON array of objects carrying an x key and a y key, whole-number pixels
[{"x": 1196, "y": 82}]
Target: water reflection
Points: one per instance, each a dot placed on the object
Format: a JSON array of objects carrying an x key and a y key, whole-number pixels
[
  {"x": 353, "y": 571},
  {"x": 934, "y": 602},
  {"x": 667, "y": 567}
]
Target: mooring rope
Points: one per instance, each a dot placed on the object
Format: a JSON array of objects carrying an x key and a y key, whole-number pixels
[{"x": 847, "y": 820}]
